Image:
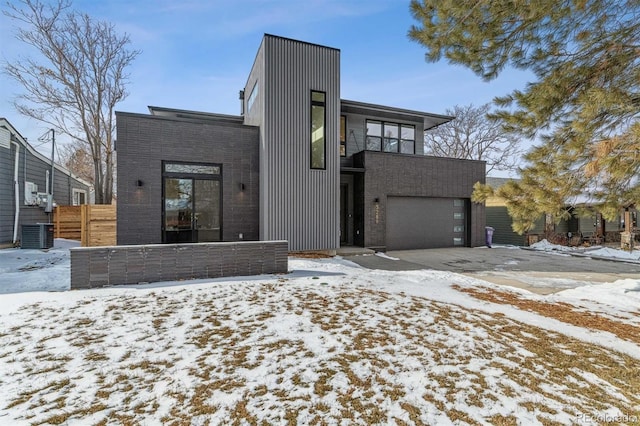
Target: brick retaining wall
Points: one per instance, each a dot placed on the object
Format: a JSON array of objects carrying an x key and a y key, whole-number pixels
[{"x": 93, "y": 267}]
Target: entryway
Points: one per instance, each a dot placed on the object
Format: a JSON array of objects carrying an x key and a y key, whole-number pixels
[{"x": 192, "y": 196}]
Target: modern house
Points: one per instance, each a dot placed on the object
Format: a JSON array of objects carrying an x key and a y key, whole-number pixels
[
  {"x": 26, "y": 193},
  {"x": 298, "y": 164}
]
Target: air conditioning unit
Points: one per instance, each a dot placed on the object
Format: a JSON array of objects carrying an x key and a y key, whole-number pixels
[
  {"x": 37, "y": 236},
  {"x": 30, "y": 194}
]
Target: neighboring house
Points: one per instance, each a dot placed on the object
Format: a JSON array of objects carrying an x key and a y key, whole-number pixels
[
  {"x": 25, "y": 177},
  {"x": 299, "y": 164},
  {"x": 585, "y": 222},
  {"x": 499, "y": 219}
]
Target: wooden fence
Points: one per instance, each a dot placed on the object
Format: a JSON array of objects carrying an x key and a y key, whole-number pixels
[{"x": 92, "y": 224}]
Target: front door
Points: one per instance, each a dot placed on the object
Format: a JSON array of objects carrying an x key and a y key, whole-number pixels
[
  {"x": 344, "y": 213},
  {"x": 192, "y": 203}
]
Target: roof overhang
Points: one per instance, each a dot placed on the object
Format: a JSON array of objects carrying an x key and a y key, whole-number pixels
[{"x": 430, "y": 120}]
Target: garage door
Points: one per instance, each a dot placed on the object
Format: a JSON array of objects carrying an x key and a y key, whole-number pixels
[{"x": 421, "y": 222}]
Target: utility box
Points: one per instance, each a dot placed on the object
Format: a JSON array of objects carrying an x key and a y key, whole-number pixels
[{"x": 37, "y": 236}]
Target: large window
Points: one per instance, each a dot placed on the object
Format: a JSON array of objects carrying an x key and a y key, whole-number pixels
[
  {"x": 390, "y": 137},
  {"x": 318, "y": 130}
]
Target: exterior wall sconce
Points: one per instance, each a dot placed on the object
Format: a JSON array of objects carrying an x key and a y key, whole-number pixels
[
  {"x": 242, "y": 187},
  {"x": 376, "y": 200},
  {"x": 139, "y": 183}
]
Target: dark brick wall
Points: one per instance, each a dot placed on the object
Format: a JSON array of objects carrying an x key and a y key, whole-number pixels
[
  {"x": 144, "y": 141},
  {"x": 93, "y": 267},
  {"x": 415, "y": 176}
]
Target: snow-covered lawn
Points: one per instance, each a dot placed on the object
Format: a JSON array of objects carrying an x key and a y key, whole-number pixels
[{"x": 328, "y": 343}]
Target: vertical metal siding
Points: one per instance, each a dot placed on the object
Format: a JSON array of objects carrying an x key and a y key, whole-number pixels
[{"x": 301, "y": 205}]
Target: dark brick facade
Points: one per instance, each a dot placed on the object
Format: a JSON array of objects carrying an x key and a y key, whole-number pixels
[
  {"x": 93, "y": 267},
  {"x": 389, "y": 174},
  {"x": 144, "y": 141}
]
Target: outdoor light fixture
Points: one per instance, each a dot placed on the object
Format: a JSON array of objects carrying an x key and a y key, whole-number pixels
[
  {"x": 242, "y": 186},
  {"x": 139, "y": 183},
  {"x": 376, "y": 200}
]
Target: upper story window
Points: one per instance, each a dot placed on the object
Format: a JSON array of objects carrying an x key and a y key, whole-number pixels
[
  {"x": 343, "y": 136},
  {"x": 407, "y": 139},
  {"x": 252, "y": 97},
  {"x": 390, "y": 137},
  {"x": 318, "y": 130}
]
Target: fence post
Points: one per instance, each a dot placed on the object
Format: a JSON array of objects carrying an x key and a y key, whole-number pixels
[
  {"x": 84, "y": 228},
  {"x": 56, "y": 221}
]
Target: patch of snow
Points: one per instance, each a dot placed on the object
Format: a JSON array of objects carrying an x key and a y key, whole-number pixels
[
  {"x": 611, "y": 253},
  {"x": 385, "y": 256},
  {"x": 545, "y": 245}
]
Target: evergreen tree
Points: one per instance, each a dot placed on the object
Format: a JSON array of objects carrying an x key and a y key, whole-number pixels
[{"x": 583, "y": 106}]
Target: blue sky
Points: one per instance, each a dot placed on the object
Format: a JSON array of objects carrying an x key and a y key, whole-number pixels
[{"x": 196, "y": 54}]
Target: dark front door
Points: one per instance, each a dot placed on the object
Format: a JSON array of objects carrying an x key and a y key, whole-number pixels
[
  {"x": 344, "y": 213},
  {"x": 192, "y": 207}
]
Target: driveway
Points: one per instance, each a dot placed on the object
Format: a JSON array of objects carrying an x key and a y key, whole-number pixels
[{"x": 539, "y": 272}]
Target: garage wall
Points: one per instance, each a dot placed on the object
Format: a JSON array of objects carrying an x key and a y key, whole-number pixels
[{"x": 415, "y": 176}]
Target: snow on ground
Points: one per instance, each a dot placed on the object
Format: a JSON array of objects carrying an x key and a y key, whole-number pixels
[
  {"x": 545, "y": 245},
  {"x": 595, "y": 251},
  {"x": 328, "y": 343}
]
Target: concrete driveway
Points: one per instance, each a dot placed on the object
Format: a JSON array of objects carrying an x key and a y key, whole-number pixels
[{"x": 540, "y": 272}]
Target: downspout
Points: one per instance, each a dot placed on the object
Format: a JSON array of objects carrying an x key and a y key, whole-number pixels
[{"x": 17, "y": 192}]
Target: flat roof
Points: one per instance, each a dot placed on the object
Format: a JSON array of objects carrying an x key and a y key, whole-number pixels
[{"x": 197, "y": 115}]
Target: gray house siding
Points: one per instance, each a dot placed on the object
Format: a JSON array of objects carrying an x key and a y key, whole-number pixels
[
  {"x": 32, "y": 167},
  {"x": 7, "y": 203},
  {"x": 144, "y": 141},
  {"x": 414, "y": 176},
  {"x": 297, "y": 204},
  {"x": 498, "y": 218}
]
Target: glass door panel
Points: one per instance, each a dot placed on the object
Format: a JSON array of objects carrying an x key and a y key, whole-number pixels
[
  {"x": 178, "y": 209},
  {"x": 207, "y": 210}
]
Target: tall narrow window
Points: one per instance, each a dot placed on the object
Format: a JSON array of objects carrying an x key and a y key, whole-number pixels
[
  {"x": 343, "y": 136},
  {"x": 390, "y": 137},
  {"x": 318, "y": 130},
  {"x": 252, "y": 97},
  {"x": 407, "y": 139}
]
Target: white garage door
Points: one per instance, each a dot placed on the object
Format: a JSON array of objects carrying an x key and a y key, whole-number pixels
[{"x": 422, "y": 222}]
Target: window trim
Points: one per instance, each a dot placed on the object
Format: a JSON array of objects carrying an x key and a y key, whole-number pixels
[
  {"x": 323, "y": 104},
  {"x": 75, "y": 191}
]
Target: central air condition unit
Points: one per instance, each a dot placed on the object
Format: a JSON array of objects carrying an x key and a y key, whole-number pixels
[{"x": 37, "y": 236}]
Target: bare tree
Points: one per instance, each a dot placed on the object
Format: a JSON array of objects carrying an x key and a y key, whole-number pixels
[
  {"x": 77, "y": 159},
  {"x": 472, "y": 135},
  {"x": 76, "y": 81}
]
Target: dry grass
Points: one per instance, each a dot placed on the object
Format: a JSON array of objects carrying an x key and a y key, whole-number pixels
[
  {"x": 560, "y": 311},
  {"x": 299, "y": 354}
]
